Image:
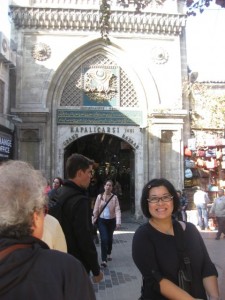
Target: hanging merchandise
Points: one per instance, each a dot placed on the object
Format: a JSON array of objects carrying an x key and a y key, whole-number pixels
[
  {"x": 213, "y": 188},
  {"x": 188, "y": 173},
  {"x": 203, "y": 173},
  {"x": 205, "y": 165},
  {"x": 200, "y": 153},
  {"x": 211, "y": 164},
  {"x": 188, "y": 182},
  {"x": 189, "y": 163},
  {"x": 218, "y": 154},
  {"x": 187, "y": 152},
  {"x": 211, "y": 152},
  {"x": 222, "y": 174},
  {"x": 200, "y": 162},
  {"x": 195, "y": 173}
]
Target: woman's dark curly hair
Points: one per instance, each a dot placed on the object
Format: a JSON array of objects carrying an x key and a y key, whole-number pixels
[{"x": 156, "y": 183}]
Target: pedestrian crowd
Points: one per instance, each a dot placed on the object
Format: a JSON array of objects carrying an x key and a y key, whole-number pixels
[{"x": 45, "y": 258}]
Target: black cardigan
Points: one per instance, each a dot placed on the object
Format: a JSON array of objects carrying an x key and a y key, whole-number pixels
[{"x": 155, "y": 255}]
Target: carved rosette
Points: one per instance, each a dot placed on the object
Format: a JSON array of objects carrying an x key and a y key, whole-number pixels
[
  {"x": 41, "y": 51},
  {"x": 159, "y": 55}
]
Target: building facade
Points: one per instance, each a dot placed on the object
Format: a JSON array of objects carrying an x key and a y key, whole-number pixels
[
  {"x": 106, "y": 81},
  {"x": 7, "y": 70}
]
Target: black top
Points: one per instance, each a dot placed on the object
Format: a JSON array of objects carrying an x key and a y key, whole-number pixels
[
  {"x": 76, "y": 225},
  {"x": 155, "y": 255},
  {"x": 40, "y": 273}
]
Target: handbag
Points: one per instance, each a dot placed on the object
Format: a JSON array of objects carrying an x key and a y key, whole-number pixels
[
  {"x": 184, "y": 272},
  {"x": 95, "y": 224}
]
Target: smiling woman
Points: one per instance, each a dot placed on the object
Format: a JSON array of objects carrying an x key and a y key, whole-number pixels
[{"x": 162, "y": 245}]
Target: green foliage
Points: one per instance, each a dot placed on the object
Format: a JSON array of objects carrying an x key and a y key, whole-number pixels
[
  {"x": 207, "y": 102},
  {"x": 195, "y": 6}
]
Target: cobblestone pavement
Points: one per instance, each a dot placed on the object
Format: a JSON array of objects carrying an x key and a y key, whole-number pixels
[{"x": 122, "y": 280}]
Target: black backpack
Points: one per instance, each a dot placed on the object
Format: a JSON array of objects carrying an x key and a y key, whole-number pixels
[
  {"x": 56, "y": 204},
  {"x": 55, "y": 209}
]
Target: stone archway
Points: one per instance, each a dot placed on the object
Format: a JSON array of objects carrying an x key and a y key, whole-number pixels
[
  {"x": 131, "y": 136},
  {"x": 114, "y": 159}
]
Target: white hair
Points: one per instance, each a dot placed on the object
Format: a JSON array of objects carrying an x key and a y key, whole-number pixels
[{"x": 21, "y": 193}]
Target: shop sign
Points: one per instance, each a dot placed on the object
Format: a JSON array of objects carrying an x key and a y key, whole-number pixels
[
  {"x": 5, "y": 145},
  {"x": 100, "y": 117}
]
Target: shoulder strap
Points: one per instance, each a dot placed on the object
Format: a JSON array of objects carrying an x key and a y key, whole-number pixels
[
  {"x": 179, "y": 231},
  {"x": 183, "y": 225},
  {"x": 12, "y": 248},
  {"x": 104, "y": 207},
  {"x": 179, "y": 234}
]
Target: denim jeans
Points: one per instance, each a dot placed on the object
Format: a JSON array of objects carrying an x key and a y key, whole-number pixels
[
  {"x": 221, "y": 226},
  {"x": 202, "y": 216},
  {"x": 106, "y": 228}
]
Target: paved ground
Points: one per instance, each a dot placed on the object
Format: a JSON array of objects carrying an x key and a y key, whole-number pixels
[{"x": 122, "y": 280}]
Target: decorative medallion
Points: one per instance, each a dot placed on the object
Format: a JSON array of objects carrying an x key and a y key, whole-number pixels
[
  {"x": 4, "y": 45},
  {"x": 41, "y": 51},
  {"x": 159, "y": 55},
  {"x": 100, "y": 84}
]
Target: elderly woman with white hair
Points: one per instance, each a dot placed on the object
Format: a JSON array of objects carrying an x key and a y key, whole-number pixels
[{"x": 29, "y": 269}]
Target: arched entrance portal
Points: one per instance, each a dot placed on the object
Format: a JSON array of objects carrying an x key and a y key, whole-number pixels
[{"x": 114, "y": 160}]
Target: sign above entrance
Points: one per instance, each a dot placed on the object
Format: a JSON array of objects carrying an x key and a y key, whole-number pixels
[
  {"x": 6, "y": 145},
  {"x": 98, "y": 117}
]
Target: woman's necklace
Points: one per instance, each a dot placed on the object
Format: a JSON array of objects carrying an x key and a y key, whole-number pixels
[
  {"x": 107, "y": 197},
  {"x": 168, "y": 230}
]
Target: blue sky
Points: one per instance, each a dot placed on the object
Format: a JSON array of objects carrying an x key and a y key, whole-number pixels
[{"x": 206, "y": 43}]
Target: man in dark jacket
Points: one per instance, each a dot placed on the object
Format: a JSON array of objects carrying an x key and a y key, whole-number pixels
[
  {"x": 76, "y": 213},
  {"x": 29, "y": 269}
]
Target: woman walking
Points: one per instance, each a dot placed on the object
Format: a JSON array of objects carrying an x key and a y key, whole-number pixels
[{"x": 108, "y": 215}]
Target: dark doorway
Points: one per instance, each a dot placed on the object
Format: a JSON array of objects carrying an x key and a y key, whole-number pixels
[{"x": 114, "y": 159}]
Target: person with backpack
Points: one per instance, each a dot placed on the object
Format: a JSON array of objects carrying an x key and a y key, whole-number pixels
[
  {"x": 76, "y": 213},
  {"x": 29, "y": 269}
]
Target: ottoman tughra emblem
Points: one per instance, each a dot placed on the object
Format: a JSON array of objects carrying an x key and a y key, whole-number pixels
[{"x": 100, "y": 84}]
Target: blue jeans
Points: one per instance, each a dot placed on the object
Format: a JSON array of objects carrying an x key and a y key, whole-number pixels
[
  {"x": 202, "y": 216},
  {"x": 221, "y": 226},
  {"x": 106, "y": 228}
]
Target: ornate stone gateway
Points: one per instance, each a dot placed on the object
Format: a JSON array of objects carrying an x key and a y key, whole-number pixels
[{"x": 91, "y": 71}]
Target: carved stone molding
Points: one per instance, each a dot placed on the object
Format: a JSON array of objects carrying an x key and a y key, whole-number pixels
[
  {"x": 159, "y": 55},
  {"x": 29, "y": 135},
  {"x": 41, "y": 51},
  {"x": 89, "y": 20}
]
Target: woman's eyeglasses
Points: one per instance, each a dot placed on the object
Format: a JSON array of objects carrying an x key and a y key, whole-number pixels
[{"x": 165, "y": 198}]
